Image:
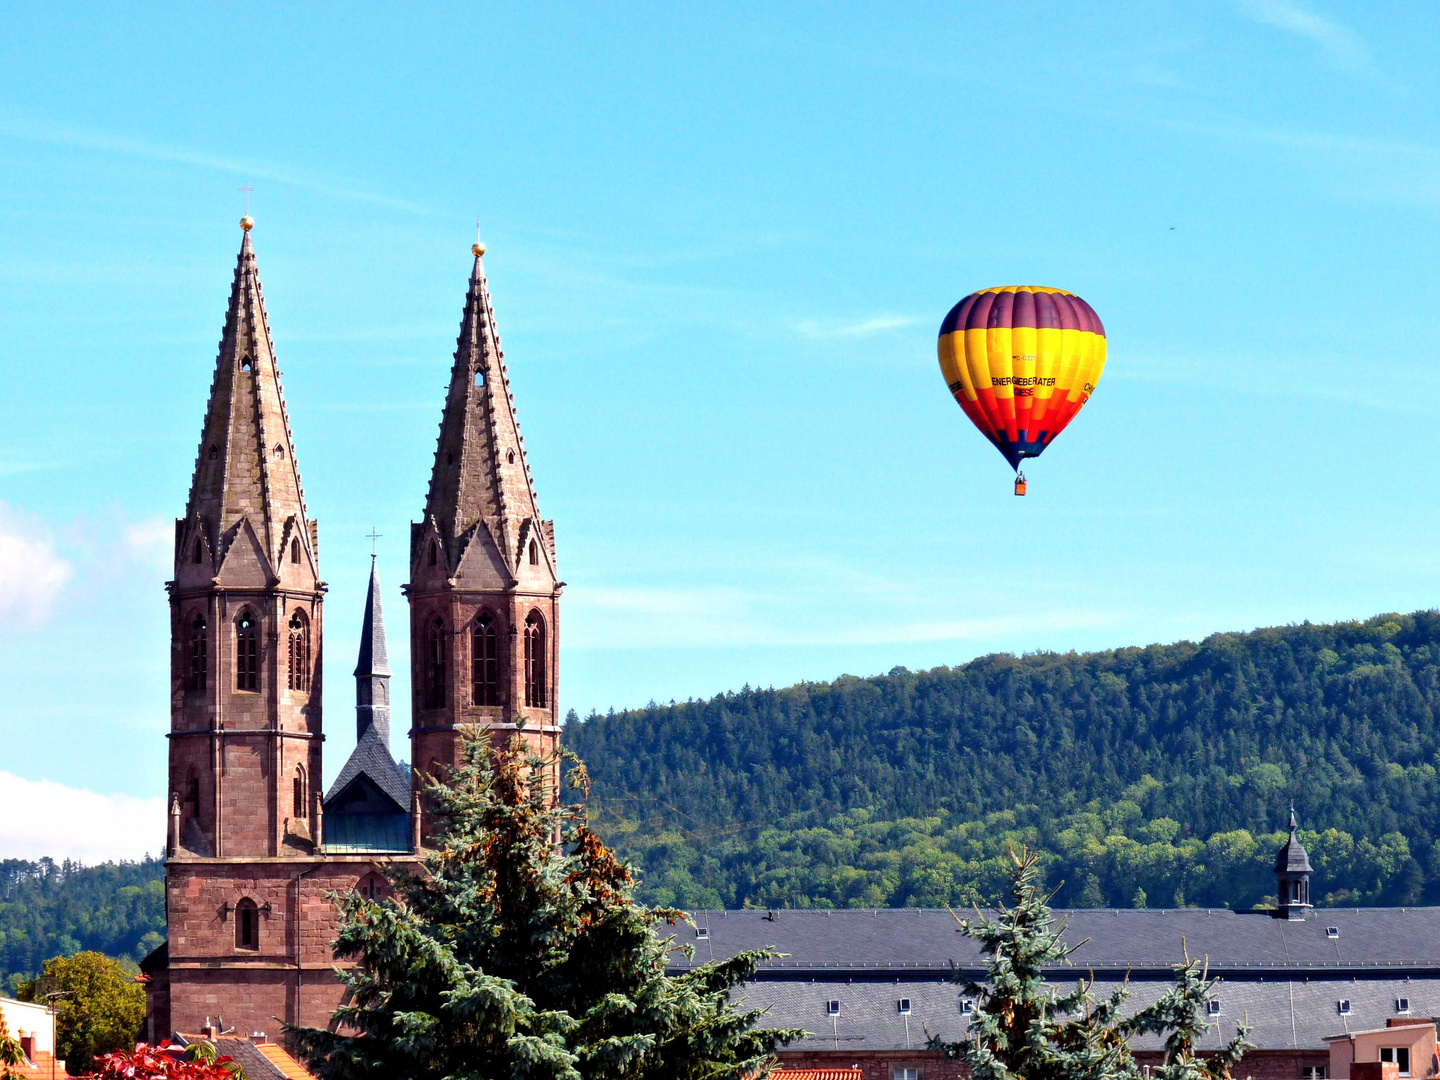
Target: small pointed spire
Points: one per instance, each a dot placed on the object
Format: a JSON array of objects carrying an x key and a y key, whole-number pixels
[
  {"x": 1293, "y": 824},
  {"x": 372, "y": 669}
]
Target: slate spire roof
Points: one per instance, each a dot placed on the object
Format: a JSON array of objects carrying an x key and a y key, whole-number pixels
[
  {"x": 481, "y": 479},
  {"x": 1293, "y": 858},
  {"x": 246, "y": 468},
  {"x": 371, "y": 782},
  {"x": 372, "y": 668}
]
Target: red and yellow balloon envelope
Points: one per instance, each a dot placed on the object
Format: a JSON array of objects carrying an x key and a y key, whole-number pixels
[{"x": 1021, "y": 361}]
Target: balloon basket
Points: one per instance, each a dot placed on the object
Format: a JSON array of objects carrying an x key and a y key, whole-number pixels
[{"x": 1020, "y": 484}]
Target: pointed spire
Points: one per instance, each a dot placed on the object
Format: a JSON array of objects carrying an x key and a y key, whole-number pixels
[
  {"x": 246, "y": 467},
  {"x": 1293, "y": 824},
  {"x": 372, "y": 669},
  {"x": 480, "y": 474}
]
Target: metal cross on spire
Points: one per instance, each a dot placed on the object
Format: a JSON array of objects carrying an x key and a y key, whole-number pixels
[
  {"x": 245, "y": 189},
  {"x": 372, "y": 536}
]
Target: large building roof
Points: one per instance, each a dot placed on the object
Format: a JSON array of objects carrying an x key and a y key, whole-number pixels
[
  {"x": 1288, "y": 976},
  {"x": 920, "y": 939}
]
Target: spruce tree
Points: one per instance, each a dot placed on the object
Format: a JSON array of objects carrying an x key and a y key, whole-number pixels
[
  {"x": 1024, "y": 1028},
  {"x": 521, "y": 953}
]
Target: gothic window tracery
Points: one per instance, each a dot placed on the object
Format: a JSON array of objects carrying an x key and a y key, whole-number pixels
[
  {"x": 535, "y": 661},
  {"x": 300, "y": 793},
  {"x": 435, "y": 665},
  {"x": 299, "y": 652},
  {"x": 247, "y": 652},
  {"x": 199, "y": 653},
  {"x": 485, "y": 665},
  {"x": 534, "y": 553},
  {"x": 295, "y": 551}
]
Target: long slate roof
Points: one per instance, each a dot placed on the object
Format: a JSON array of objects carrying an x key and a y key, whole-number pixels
[{"x": 918, "y": 939}]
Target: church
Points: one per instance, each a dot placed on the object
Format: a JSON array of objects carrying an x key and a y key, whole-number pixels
[{"x": 253, "y": 845}]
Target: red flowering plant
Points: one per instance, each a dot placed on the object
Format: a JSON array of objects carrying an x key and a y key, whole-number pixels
[{"x": 166, "y": 1062}]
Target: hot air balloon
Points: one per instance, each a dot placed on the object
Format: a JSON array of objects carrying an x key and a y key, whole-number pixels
[{"x": 1021, "y": 361}]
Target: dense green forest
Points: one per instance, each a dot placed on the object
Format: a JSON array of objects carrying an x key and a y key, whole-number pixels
[
  {"x": 1156, "y": 776},
  {"x": 58, "y": 909}
]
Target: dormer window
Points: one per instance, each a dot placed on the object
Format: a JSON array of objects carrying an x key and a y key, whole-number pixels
[
  {"x": 1332, "y": 931},
  {"x": 702, "y": 932},
  {"x": 1343, "y": 1006},
  {"x": 1402, "y": 1005},
  {"x": 1212, "y": 1007},
  {"x": 903, "y": 1006},
  {"x": 832, "y": 1007}
]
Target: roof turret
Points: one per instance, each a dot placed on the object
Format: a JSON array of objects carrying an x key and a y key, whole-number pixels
[
  {"x": 1293, "y": 858},
  {"x": 372, "y": 668}
]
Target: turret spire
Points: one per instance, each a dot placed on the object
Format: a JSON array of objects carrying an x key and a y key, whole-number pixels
[
  {"x": 1292, "y": 876},
  {"x": 246, "y": 468},
  {"x": 372, "y": 669}
]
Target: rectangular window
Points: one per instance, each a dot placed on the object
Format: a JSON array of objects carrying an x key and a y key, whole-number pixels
[
  {"x": 702, "y": 932},
  {"x": 1314, "y": 1072},
  {"x": 1212, "y": 1007},
  {"x": 967, "y": 1007},
  {"x": 904, "y": 1074},
  {"x": 1402, "y": 1005},
  {"x": 832, "y": 1007},
  {"x": 1400, "y": 1055},
  {"x": 1343, "y": 1006},
  {"x": 903, "y": 1006}
]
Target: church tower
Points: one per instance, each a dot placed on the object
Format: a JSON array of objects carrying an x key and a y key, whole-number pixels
[
  {"x": 245, "y": 613},
  {"x": 484, "y": 592}
]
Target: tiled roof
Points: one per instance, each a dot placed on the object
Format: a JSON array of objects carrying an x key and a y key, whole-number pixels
[
  {"x": 1283, "y": 1013},
  {"x": 288, "y": 1066},
  {"x": 899, "y": 940},
  {"x": 817, "y": 1074}
]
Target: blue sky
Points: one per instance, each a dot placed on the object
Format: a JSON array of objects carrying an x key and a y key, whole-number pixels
[{"x": 721, "y": 243}]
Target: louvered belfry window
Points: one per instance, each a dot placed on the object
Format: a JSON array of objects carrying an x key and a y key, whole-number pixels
[
  {"x": 247, "y": 652},
  {"x": 299, "y": 652},
  {"x": 199, "y": 653},
  {"x": 535, "y": 661},
  {"x": 435, "y": 665},
  {"x": 485, "y": 661}
]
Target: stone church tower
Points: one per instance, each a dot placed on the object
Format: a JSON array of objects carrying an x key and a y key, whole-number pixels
[
  {"x": 253, "y": 850},
  {"x": 484, "y": 593}
]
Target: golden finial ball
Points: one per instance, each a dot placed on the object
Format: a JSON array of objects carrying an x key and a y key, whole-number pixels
[
  {"x": 477, "y": 249},
  {"x": 247, "y": 223}
]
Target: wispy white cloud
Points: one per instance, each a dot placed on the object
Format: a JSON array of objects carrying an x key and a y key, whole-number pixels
[
  {"x": 32, "y": 572},
  {"x": 61, "y": 134},
  {"x": 40, "y": 818},
  {"x": 877, "y": 324},
  {"x": 1339, "y": 46},
  {"x": 721, "y": 617}
]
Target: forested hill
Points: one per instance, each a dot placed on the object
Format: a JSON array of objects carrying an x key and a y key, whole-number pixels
[
  {"x": 1156, "y": 775},
  {"x": 56, "y": 909}
]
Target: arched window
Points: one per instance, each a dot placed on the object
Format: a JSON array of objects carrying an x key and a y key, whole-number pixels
[
  {"x": 295, "y": 551},
  {"x": 299, "y": 792},
  {"x": 435, "y": 665},
  {"x": 192, "y": 792},
  {"x": 535, "y": 661},
  {"x": 199, "y": 653},
  {"x": 247, "y": 925},
  {"x": 299, "y": 652},
  {"x": 534, "y": 553},
  {"x": 485, "y": 661},
  {"x": 199, "y": 551},
  {"x": 247, "y": 652},
  {"x": 434, "y": 554}
]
